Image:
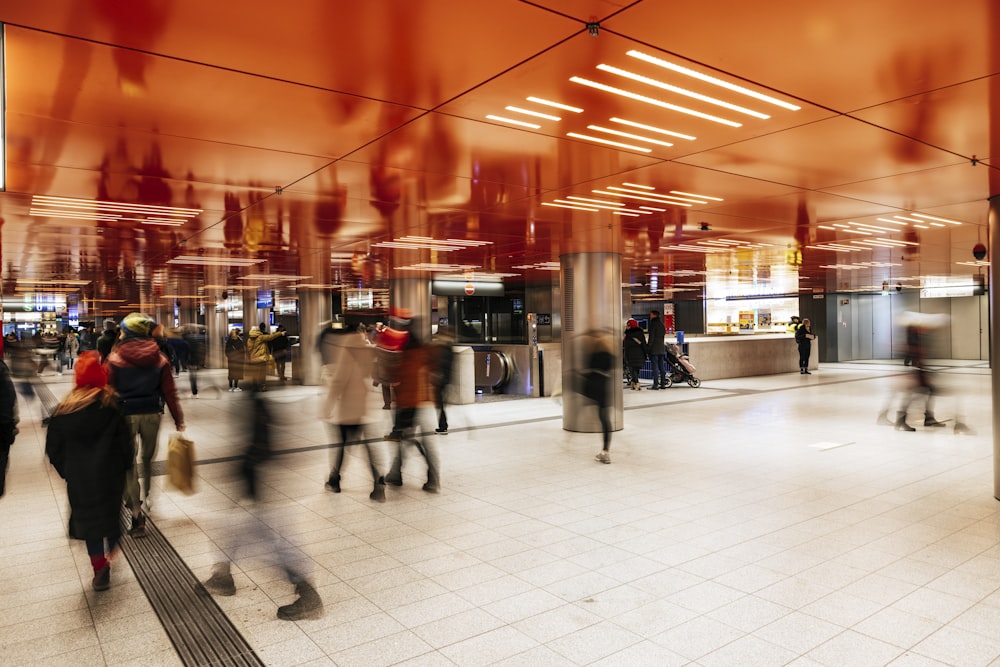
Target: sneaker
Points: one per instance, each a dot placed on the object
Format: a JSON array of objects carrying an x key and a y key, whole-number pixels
[
  {"x": 603, "y": 456},
  {"x": 221, "y": 583},
  {"x": 138, "y": 528},
  {"x": 102, "y": 579},
  {"x": 441, "y": 431},
  {"x": 308, "y": 605}
]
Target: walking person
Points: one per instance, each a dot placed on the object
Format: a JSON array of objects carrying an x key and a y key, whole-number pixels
[
  {"x": 657, "y": 349},
  {"x": 107, "y": 339},
  {"x": 72, "y": 348},
  {"x": 351, "y": 406},
  {"x": 8, "y": 422},
  {"x": 442, "y": 359},
  {"x": 413, "y": 392},
  {"x": 144, "y": 380},
  {"x": 256, "y": 524},
  {"x": 804, "y": 338},
  {"x": 596, "y": 386},
  {"x": 635, "y": 351},
  {"x": 281, "y": 350},
  {"x": 88, "y": 443},
  {"x": 236, "y": 358}
]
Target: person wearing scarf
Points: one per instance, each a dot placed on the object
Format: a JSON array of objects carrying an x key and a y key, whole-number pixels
[{"x": 89, "y": 444}]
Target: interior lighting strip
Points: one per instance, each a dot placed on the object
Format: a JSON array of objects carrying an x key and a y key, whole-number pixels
[
  {"x": 680, "y": 69},
  {"x": 596, "y": 201},
  {"x": 198, "y": 260},
  {"x": 556, "y": 105},
  {"x": 611, "y": 206},
  {"x": 664, "y": 198},
  {"x": 681, "y": 91},
  {"x": 529, "y": 112},
  {"x": 653, "y": 101},
  {"x": 638, "y": 187},
  {"x": 903, "y": 217},
  {"x": 501, "y": 119},
  {"x": 893, "y": 222},
  {"x": 932, "y": 217},
  {"x": 574, "y": 207},
  {"x": 650, "y": 128},
  {"x": 70, "y": 202},
  {"x": 689, "y": 194},
  {"x": 577, "y": 135},
  {"x": 628, "y": 135},
  {"x": 632, "y": 196},
  {"x": 653, "y": 208},
  {"x": 627, "y": 213},
  {"x": 424, "y": 266}
]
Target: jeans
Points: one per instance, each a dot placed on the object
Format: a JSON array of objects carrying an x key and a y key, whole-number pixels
[
  {"x": 659, "y": 364},
  {"x": 147, "y": 428}
]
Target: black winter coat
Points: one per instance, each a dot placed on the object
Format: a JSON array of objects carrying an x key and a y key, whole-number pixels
[
  {"x": 635, "y": 347},
  {"x": 91, "y": 449}
]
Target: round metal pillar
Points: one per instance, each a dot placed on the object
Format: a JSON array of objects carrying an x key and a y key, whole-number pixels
[
  {"x": 994, "y": 292},
  {"x": 592, "y": 308},
  {"x": 314, "y": 308}
]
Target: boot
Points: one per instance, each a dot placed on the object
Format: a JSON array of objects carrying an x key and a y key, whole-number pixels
[
  {"x": 334, "y": 482},
  {"x": 378, "y": 494},
  {"x": 901, "y": 424},
  {"x": 221, "y": 582},
  {"x": 432, "y": 485},
  {"x": 309, "y": 604},
  {"x": 930, "y": 421},
  {"x": 102, "y": 578},
  {"x": 883, "y": 419}
]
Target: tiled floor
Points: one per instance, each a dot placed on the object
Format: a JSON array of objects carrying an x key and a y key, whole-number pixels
[{"x": 755, "y": 521}]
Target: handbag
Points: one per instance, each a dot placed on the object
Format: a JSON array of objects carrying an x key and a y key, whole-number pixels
[{"x": 180, "y": 463}]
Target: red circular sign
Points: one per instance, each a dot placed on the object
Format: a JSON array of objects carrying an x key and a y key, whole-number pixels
[{"x": 470, "y": 289}]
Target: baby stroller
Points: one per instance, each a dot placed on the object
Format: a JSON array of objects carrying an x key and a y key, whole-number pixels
[{"x": 681, "y": 369}]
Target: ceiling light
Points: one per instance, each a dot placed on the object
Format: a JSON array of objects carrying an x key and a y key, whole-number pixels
[
  {"x": 576, "y": 135},
  {"x": 832, "y": 229},
  {"x": 577, "y": 208},
  {"x": 629, "y": 196},
  {"x": 574, "y": 203},
  {"x": 424, "y": 266},
  {"x": 653, "y": 101},
  {"x": 595, "y": 201},
  {"x": 631, "y": 215},
  {"x": 653, "y": 208},
  {"x": 903, "y": 217},
  {"x": 894, "y": 222},
  {"x": 627, "y": 135},
  {"x": 663, "y": 198},
  {"x": 653, "y": 60},
  {"x": 681, "y": 91},
  {"x": 557, "y": 105},
  {"x": 208, "y": 260},
  {"x": 921, "y": 226},
  {"x": 690, "y": 194},
  {"x": 106, "y": 211},
  {"x": 640, "y": 187},
  {"x": 932, "y": 217},
  {"x": 501, "y": 119},
  {"x": 937, "y": 224},
  {"x": 650, "y": 128},
  {"x": 528, "y": 112}
]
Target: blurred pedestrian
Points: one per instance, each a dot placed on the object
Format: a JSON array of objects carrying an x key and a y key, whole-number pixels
[
  {"x": 442, "y": 359},
  {"x": 8, "y": 422},
  {"x": 107, "y": 339},
  {"x": 72, "y": 348},
  {"x": 413, "y": 392},
  {"x": 88, "y": 442},
  {"x": 255, "y": 527},
  {"x": 236, "y": 358},
  {"x": 635, "y": 351},
  {"x": 281, "y": 350},
  {"x": 657, "y": 349},
  {"x": 351, "y": 408},
  {"x": 596, "y": 386},
  {"x": 142, "y": 376},
  {"x": 803, "y": 339}
]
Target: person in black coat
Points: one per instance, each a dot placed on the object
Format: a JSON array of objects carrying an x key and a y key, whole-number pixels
[
  {"x": 89, "y": 445},
  {"x": 635, "y": 351},
  {"x": 8, "y": 421},
  {"x": 803, "y": 338}
]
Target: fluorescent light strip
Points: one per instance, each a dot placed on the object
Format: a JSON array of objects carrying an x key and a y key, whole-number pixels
[
  {"x": 577, "y": 135},
  {"x": 711, "y": 79},
  {"x": 627, "y": 135},
  {"x": 414, "y": 246},
  {"x": 557, "y": 105},
  {"x": 903, "y": 217},
  {"x": 650, "y": 128},
  {"x": 877, "y": 229},
  {"x": 653, "y": 101},
  {"x": 627, "y": 196},
  {"x": 932, "y": 217},
  {"x": 501, "y": 119},
  {"x": 595, "y": 201},
  {"x": 663, "y": 198},
  {"x": 921, "y": 226},
  {"x": 893, "y": 222},
  {"x": 653, "y": 208},
  {"x": 613, "y": 207},
  {"x": 639, "y": 187},
  {"x": 832, "y": 229},
  {"x": 690, "y": 194},
  {"x": 576, "y": 208},
  {"x": 937, "y": 224},
  {"x": 72, "y": 215},
  {"x": 681, "y": 91},
  {"x": 213, "y": 261},
  {"x": 631, "y": 215},
  {"x": 70, "y": 202},
  {"x": 528, "y": 112}
]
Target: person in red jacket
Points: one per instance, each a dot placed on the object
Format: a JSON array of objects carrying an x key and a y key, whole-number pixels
[{"x": 144, "y": 380}]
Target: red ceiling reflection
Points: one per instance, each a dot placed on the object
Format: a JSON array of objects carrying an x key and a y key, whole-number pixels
[{"x": 306, "y": 137}]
